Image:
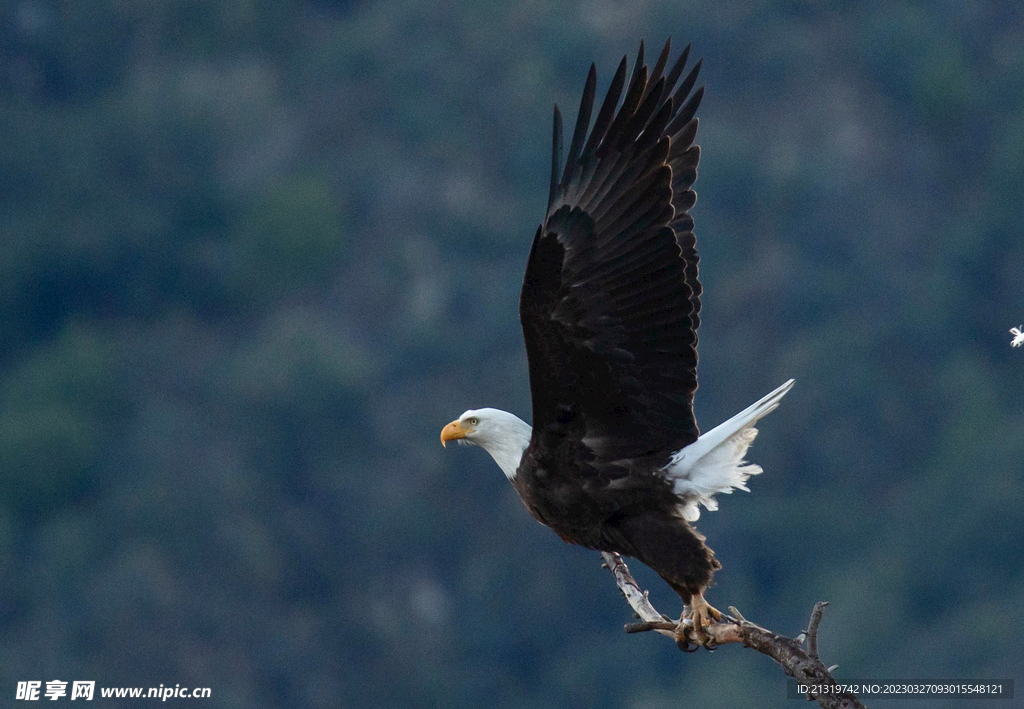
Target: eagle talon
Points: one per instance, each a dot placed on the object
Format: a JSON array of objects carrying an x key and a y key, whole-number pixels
[
  {"x": 685, "y": 645},
  {"x": 684, "y": 637},
  {"x": 702, "y": 615},
  {"x": 690, "y": 638}
]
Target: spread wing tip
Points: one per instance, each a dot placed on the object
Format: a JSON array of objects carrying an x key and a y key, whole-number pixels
[{"x": 621, "y": 278}]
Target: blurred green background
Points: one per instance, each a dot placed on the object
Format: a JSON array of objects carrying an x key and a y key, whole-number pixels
[{"x": 253, "y": 255}]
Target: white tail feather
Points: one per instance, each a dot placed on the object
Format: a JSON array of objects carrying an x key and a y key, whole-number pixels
[{"x": 714, "y": 462}]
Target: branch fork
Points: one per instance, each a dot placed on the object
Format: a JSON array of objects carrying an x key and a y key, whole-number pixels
[{"x": 802, "y": 664}]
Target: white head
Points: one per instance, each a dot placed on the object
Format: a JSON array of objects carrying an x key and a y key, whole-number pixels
[{"x": 503, "y": 435}]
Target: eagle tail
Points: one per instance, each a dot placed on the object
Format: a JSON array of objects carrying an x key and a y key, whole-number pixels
[{"x": 714, "y": 462}]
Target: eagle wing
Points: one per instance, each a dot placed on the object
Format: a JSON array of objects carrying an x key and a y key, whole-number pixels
[{"x": 610, "y": 299}]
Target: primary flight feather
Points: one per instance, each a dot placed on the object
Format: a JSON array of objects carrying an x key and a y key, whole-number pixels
[{"x": 610, "y": 308}]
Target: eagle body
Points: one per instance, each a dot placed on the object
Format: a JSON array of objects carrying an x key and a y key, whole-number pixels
[
  {"x": 610, "y": 308},
  {"x": 624, "y": 509}
]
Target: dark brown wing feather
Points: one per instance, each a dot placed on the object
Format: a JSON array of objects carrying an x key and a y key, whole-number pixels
[{"x": 611, "y": 297}]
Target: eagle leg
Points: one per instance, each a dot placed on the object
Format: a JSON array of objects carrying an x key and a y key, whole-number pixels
[{"x": 702, "y": 614}]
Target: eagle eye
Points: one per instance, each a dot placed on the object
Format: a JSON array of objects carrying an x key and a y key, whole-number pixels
[{"x": 473, "y": 421}]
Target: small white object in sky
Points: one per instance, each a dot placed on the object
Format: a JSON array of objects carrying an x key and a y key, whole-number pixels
[{"x": 1018, "y": 336}]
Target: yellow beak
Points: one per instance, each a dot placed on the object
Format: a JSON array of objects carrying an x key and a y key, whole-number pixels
[{"x": 454, "y": 431}]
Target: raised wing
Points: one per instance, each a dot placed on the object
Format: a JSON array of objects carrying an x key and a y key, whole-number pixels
[{"x": 611, "y": 298}]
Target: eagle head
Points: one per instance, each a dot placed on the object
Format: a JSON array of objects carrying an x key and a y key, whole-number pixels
[
  {"x": 476, "y": 426},
  {"x": 505, "y": 436}
]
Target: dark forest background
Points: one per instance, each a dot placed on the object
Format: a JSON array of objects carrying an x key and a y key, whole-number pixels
[{"x": 254, "y": 255}]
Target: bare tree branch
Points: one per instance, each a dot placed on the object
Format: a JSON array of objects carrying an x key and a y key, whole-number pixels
[
  {"x": 803, "y": 665},
  {"x": 812, "y": 628}
]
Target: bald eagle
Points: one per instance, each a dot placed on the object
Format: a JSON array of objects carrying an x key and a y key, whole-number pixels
[{"x": 609, "y": 308}]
